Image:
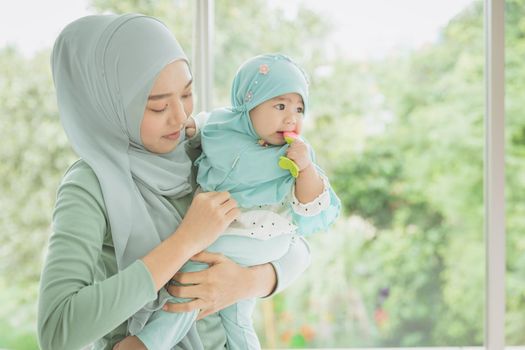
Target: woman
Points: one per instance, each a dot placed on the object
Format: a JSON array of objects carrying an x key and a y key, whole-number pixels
[{"x": 125, "y": 219}]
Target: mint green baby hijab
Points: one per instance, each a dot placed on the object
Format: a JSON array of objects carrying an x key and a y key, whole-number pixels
[
  {"x": 104, "y": 67},
  {"x": 232, "y": 159}
]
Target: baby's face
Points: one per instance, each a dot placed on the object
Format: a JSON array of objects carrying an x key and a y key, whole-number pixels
[{"x": 282, "y": 113}]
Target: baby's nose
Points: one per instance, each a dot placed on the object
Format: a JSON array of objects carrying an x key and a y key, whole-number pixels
[{"x": 291, "y": 120}]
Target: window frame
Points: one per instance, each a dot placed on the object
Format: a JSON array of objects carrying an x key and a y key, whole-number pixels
[{"x": 494, "y": 174}]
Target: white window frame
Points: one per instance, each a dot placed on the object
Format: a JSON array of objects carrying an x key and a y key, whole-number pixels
[
  {"x": 495, "y": 174},
  {"x": 203, "y": 54},
  {"x": 494, "y": 169}
]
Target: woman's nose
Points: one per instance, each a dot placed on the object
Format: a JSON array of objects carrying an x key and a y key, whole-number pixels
[{"x": 178, "y": 115}]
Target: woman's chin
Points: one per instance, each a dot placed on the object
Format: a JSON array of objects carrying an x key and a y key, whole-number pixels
[{"x": 161, "y": 148}]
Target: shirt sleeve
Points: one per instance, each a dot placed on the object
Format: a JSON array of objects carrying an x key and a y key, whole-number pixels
[
  {"x": 75, "y": 309},
  {"x": 316, "y": 206},
  {"x": 193, "y": 144},
  {"x": 200, "y": 120},
  {"x": 292, "y": 264},
  {"x": 310, "y": 224}
]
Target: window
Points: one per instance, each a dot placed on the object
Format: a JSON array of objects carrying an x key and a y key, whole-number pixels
[
  {"x": 401, "y": 122},
  {"x": 408, "y": 123},
  {"x": 514, "y": 179}
]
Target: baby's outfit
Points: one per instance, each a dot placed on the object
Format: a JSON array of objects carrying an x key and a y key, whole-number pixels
[
  {"x": 271, "y": 217},
  {"x": 258, "y": 236}
]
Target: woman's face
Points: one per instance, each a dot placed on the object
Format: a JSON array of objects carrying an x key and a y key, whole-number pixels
[{"x": 169, "y": 104}]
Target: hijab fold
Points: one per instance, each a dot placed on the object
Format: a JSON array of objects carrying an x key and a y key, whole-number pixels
[{"x": 104, "y": 67}]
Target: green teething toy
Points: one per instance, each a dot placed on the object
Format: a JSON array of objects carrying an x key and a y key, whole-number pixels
[
  {"x": 288, "y": 164},
  {"x": 285, "y": 162}
]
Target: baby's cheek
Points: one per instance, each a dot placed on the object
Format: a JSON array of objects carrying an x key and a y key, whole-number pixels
[{"x": 299, "y": 126}]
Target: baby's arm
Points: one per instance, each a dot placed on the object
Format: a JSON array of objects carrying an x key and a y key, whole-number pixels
[
  {"x": 193, "y": 128},
  {"x": 195, "y": 124},
  {"x": 309, "y": 184},
  {"x": 315, "y": 205}
]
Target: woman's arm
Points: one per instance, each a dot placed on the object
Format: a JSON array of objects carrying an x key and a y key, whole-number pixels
[
  {"x": 73, "y": 308},
  {"x": 224, "y": 282}
]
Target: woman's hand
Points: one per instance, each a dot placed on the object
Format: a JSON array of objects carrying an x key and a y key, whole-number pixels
[
  {"x": 130, "y": 343},
  {"x": 221, "y": 285},
  {"x": 208, "y": 216}
]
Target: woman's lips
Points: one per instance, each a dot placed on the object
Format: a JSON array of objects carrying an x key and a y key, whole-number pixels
[{"x": 173, "y": 136}]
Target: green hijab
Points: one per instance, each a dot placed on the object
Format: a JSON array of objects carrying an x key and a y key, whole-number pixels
[{"x": 104, "y": 67}]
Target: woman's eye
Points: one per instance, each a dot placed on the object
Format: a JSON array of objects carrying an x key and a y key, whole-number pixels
[
  {"x": 300, "y": 110},
  {"x": 188, "y": 95},
  {"x": 280, "y": 106},
  {"x": 159, "y": 110}
]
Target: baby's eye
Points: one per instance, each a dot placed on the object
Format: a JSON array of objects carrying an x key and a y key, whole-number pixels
[
  {"x": 300, "y": 110},
  {"x": 280, "y": 106}
]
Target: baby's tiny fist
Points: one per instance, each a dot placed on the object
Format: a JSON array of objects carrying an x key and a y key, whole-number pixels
[{"x": 190, "y": 132}]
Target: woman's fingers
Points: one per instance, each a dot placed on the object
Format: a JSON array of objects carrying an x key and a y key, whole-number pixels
[
  {"x": 198, "y": 277},
  {"x": 208, "y": 258},
  {"x": 130, "y": 342},
  {"x": 219, "y": 198},
  {"x": 194, "y": 292},
  {"x": 184, "y": 307},
  {"x": 233, "y": 214},
  {"x": 208, "y": 215},
  {"x": 205, "y": 312},
  {"x": 211, "y": 289},
  {"x": 226, "y": 203},
  {"x": 229, "y": 205},
  {"x": 190, "y": 277}
]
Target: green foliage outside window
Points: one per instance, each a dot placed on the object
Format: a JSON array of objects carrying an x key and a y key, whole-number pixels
[{"x": 402, "y": 141}]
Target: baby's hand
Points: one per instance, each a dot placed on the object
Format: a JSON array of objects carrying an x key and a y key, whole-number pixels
[
  {"x": 191, "y": 127},
  {"x": 298, "y": 152}
]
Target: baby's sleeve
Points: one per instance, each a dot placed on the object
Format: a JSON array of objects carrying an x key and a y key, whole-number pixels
[
  {"x": 200, "y": 120},
  {"x": 314, "y": 207},
  {"x": 193, "y": 144},
  {"x": 318, "y": 214}
]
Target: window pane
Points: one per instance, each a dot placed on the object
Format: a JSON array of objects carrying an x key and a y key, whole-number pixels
[
  {"x": 514, "y": 169},
  {"x": 397, "y": 121}
]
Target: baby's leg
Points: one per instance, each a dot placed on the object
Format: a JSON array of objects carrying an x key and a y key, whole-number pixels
[
  {"x": 166, "y": 329},
  {"x": 237, "y": 321}
]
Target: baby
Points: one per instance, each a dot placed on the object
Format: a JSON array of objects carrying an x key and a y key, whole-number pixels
[{"x": 242, "y": 146}]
